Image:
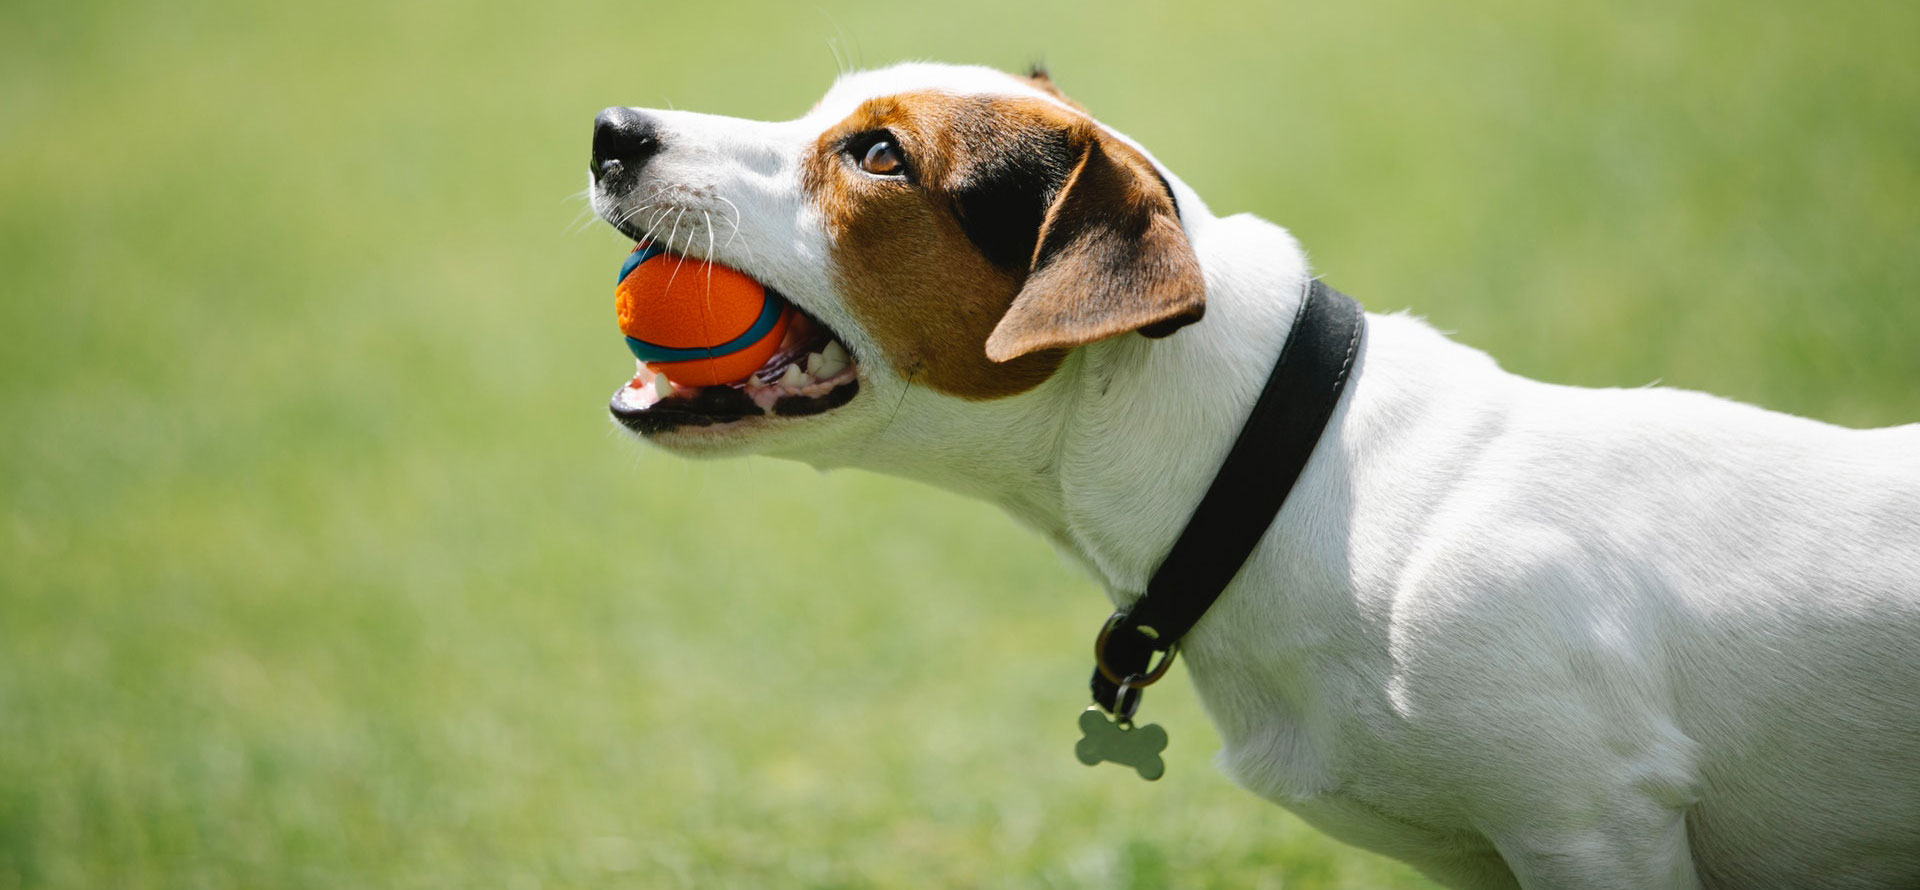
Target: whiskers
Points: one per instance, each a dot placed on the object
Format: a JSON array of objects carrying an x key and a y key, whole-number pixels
[
  {"x": 846, "y": 53},
  {"x": 905, "y": 385},
  {"x": 587, "y": 215},
  {"x": 668, "y": 244},
  {"x": 657, "y": 211},
  {"x": 735, "y": 222}
]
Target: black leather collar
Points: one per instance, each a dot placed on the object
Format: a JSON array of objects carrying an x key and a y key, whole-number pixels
[{"x": 1245, "y": 496}]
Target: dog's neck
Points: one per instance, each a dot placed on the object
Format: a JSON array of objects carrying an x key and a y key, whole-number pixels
[
  {"x": 1109, "y": 457},
  {"x": 1154, "y": 419}
]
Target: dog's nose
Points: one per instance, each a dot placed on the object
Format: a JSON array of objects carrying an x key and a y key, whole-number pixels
[{"x": 623, "y": 140}]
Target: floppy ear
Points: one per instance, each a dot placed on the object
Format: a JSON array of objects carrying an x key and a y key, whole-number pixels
[{"x": 1111, "y": 258}]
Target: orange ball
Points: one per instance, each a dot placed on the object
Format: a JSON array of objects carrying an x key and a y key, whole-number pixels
[{"x": 699, "y": 323}]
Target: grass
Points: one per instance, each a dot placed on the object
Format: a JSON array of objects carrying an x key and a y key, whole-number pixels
[{"x": 320, "y": 567}]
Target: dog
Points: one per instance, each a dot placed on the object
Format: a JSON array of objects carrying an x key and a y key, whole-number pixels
[{"x": 1512, "y": 633}]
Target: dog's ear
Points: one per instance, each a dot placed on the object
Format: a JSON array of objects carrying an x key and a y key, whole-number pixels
[
  {"x": 1038, "y": 75},
  {"x": 1111, "y": 258}
]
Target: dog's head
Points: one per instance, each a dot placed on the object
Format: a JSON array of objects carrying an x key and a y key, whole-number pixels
[{"x": 957, "y": 231}]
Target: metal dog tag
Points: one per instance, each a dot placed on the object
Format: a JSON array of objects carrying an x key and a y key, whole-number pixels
[{"x": 1121, "y": 742}]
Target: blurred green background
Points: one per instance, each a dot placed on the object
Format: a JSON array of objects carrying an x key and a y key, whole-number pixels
[{"x": 321, "y": 566}]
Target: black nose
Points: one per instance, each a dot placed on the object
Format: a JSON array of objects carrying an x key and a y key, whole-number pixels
[{"x": 623, "y": 140}]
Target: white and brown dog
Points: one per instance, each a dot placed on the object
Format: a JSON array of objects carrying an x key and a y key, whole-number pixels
[{"x": 1515, "y": 634}]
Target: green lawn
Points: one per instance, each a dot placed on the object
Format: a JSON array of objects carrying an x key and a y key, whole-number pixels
[{"x": 320, "y": 565}]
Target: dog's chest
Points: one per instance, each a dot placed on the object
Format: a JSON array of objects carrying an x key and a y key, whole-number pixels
[
  {"x": 1297, "y": 679},
  {"x": 1305, "y": 721},
  {"x": 1329, "y": 758},
  {"x": 1332, "y": 754}
]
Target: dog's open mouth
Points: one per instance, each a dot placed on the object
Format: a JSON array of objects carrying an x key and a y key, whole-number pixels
[{"x": 810, "y": 372}]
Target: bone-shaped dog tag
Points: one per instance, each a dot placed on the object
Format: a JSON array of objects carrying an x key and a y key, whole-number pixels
[{"x": 1135, "y": 746}]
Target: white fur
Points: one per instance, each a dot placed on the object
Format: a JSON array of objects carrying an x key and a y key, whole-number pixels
[{"x": 1515, "y": 634}]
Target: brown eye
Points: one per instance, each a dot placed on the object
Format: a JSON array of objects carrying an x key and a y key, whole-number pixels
[{"x": 883, "y": 159}]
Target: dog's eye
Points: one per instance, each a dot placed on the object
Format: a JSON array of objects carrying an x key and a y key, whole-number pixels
[{"x": 883, "y": 159}]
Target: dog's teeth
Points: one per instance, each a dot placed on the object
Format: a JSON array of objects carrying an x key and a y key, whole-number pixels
[
  {"x": 793, "y": 378},
  {"x": 835, "y": 354},
  {"x": 662, "y": 387},
  {"x": 814, "y": 361}
]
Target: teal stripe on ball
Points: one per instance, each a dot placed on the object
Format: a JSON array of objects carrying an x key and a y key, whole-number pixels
[
  {"x": 769, "y": 315},
  {"x": 637, "y": 257}
]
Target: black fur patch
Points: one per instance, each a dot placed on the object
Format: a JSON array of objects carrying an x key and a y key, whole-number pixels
[{"x": 1001, "y": 196}]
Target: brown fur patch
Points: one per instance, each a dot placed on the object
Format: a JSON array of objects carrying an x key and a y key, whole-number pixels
[
  {"x": 907, "y": 269},
  {"x": 1020, "y": 232}
]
